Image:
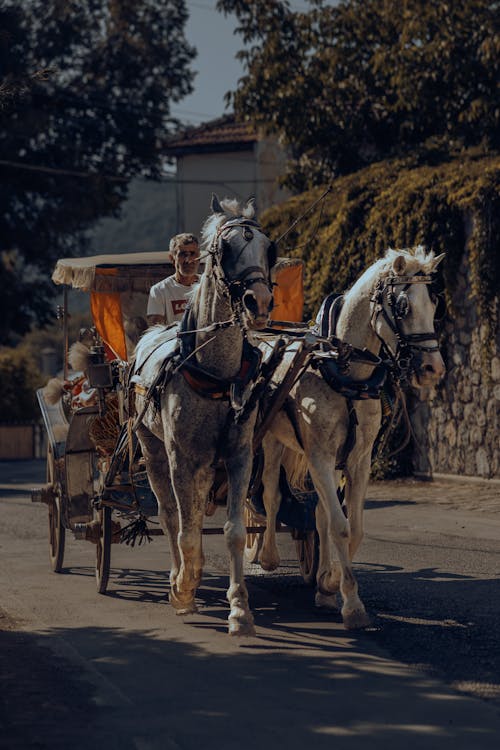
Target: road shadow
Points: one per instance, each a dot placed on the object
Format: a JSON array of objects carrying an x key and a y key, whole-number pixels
[
  {"x": 374, "y": 504},
  {"x": 140, "y": 688},
  {"x": 444, "y": 624}
]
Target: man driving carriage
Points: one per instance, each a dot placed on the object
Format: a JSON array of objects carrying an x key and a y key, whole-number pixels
[{"x": 169, "y": 297}]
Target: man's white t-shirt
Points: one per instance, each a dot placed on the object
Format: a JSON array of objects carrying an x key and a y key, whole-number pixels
[{"x": 169, "y": 298}]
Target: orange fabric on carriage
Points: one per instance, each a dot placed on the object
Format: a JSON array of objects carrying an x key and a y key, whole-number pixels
[
  {"x": 289, "y": 294},
  {"x": 107, "y": 315}
]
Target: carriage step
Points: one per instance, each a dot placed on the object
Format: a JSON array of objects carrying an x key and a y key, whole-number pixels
[{"x": 43, "y": 494}]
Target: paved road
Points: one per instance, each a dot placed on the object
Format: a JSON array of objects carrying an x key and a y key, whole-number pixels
[{"x": 122, "y": 671}]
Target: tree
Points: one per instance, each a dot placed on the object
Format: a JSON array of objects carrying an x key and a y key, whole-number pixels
[
  {"x": 86, "y": 88},
  {"x": 348, "y": 85},
  {"x": 20, "y": 378}
]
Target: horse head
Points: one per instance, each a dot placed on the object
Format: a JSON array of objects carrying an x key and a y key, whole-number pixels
[
  {"x": 403, "y": 308},
  {"x": 242, "y": 258}
]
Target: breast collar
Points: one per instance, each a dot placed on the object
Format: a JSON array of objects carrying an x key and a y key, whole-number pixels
[{"x": 205, "y": 383}]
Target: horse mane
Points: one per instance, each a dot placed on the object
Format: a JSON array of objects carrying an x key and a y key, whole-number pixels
[
  {"x": 417, "y": 258},
  {"x": 232, "y": 210}
]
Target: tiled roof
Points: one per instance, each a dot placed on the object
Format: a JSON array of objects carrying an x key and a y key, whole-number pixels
[{"x": 212, "y": 135}]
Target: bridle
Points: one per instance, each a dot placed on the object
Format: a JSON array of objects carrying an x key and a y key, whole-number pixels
[
  {"x": 409, "y": 346},
  {"x": 235, "y": 288}
]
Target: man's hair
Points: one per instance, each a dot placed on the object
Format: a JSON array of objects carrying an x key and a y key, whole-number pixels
[{"x": 178, "y": 240}]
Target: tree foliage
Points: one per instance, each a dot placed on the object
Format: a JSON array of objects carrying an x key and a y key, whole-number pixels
[
  {"x": 349, "y": 85},
  {"x": 86, "y": 88},
  {"x": 452, "y": 207},
  {"x": 20, "y": 377}
]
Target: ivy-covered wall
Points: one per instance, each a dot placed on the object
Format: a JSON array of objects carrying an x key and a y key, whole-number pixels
[{"x": 451, "y": 207}]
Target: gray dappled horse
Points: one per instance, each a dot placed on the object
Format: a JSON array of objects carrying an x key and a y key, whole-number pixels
[
  {"x": 194, "y": 426},
  {"x": 390, "y": 306}
]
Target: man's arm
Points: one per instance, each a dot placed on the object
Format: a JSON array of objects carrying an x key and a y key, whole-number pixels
[{"x": 156, "y": 307}]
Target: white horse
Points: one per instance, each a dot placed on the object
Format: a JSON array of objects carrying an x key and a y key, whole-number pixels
[
  {"x": 389, "y": 308},
  {"x": 192, "y": 426}
]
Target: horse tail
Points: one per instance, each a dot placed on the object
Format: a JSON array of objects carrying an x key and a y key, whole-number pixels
[
  {"x": 53, "y": 391},
  {"x": 296, "y": 468},
  {"x": 79, "y": 356}
]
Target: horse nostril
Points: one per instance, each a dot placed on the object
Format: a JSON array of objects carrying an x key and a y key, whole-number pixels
[{"x": 250, "y": 302}]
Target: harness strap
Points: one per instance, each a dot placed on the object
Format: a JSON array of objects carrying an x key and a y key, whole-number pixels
[
  {"x": 215, "y": 388},
  {"x": 163, "y": 376},
  {"x": 205, "y": 385}
]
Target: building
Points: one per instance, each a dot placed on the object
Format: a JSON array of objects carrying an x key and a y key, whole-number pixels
[{"x": 228, "y": 158}]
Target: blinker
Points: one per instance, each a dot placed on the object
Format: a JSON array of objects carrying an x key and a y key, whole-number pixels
[{"x": 402, "y": 307}]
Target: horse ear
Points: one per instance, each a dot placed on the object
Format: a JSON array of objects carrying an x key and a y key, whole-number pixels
[
  {"x": 215, "y": 205},
  {"x": 399, "y": 265},
  {"x": 437, "y": 260},
  {"x": 250, "y": 210}
]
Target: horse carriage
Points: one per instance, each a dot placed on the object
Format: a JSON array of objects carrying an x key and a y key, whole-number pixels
[
  {"x": 172, "y": 431},
  {"x": 97, "y": 486}
]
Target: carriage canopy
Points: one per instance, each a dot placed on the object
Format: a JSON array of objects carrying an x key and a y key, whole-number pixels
[{"x": 119, "y": 286}]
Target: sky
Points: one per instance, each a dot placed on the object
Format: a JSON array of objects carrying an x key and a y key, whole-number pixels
[{"x": 217, "y": 69}]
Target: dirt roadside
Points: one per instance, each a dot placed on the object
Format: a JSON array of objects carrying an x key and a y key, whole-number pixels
[{"x": 457, "y": 493}]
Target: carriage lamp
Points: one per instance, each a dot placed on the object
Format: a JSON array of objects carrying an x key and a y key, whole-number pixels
[{"x": 100, "y": 371}]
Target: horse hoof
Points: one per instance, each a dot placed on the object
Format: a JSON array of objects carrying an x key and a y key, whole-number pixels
[
  {"x": 183, "y": 605},
  {"x": 269, "y": 565},
  {"x": 326, "y": 601},
  {"x": 241, "y": 629},
  {"x": 191, "y": 609},
  {"x": 356, "y": 620}
]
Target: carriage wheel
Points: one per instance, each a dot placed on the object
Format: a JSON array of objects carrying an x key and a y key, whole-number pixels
[
  {"x": 308, "y": 555},
  {"x": 103, "y": 549},
  {"x": 57, "y": 532},
  {"x": 253, "y": 542}
]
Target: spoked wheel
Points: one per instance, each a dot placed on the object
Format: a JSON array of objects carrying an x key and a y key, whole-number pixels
[
  {"x": 254, "y": 540},
  {"x": 57, "y": 532},
  {"x": 308, "y": 555},
  {"x": 103, "y": 549}
]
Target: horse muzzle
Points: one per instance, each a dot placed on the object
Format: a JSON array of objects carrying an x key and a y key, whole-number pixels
[
  {"x": 257, "y": 305},
  {"x": 430, "y": 370}
]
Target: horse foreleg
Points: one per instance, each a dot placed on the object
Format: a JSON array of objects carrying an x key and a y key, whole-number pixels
[
  {"x": 240, "y": 618},
  {"x": 328, "y": 575},
  {"x": 273, "y": 450},
  {"x": 158, "y": 473},
  {"x": 353, "y": 611},
  {"x": 183, "y": 591},
  {"x": 191, "y": 490},
  {"x": 355, "y": 492}
]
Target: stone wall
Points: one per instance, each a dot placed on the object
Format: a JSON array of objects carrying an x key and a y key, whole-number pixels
[{"x": 458, "y": 432}]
